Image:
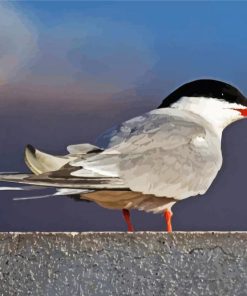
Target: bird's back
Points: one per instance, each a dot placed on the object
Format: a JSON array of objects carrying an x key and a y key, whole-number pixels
[{"x": 166, "y": 152}]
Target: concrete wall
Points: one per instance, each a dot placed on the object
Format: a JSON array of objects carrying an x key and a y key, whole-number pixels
[{"x": 142, "y": 263}]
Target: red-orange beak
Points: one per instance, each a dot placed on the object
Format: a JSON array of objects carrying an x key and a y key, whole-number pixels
[{"x": 242, "y": 111}]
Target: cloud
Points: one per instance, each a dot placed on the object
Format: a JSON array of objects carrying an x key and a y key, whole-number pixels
[
  {"x": 18, "y": 43},
  {"x": 94, "y": 54}
]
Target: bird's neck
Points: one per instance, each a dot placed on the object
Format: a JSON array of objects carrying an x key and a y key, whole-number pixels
[{"x": 219, "y": 114}]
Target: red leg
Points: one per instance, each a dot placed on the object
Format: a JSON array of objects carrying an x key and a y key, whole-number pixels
[
  {"x": 168, "y": 217},
  {"x": 126, "y": 215}
]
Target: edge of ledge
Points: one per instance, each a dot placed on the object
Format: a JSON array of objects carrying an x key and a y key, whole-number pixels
[{"x": 73, "y": 233}]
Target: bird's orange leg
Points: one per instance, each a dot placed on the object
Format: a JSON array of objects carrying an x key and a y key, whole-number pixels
[
  {"x": 168, "y": 217},
  {"x": 126, "y": 215}
]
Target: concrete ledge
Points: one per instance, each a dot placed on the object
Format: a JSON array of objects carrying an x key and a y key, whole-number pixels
[{"x": 141, "y": 263}]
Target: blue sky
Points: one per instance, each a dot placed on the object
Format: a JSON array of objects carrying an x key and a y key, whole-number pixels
[{"x": 120, "y": 45}]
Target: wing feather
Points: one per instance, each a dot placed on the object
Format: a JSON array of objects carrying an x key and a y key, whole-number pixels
[
  {"x": 161, "y": 153},
  {"x": 47, "y": 180}
]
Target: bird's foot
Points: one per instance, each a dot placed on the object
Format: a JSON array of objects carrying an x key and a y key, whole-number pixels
[
  {"x": 126, "y": 215},
  {"x": 168, "y": 218}
]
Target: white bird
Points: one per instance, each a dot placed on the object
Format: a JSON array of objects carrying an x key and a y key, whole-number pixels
[{"x": 151, "y": 161}]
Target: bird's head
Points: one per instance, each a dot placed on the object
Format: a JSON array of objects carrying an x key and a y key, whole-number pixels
[{"x": 218, "y": 102}]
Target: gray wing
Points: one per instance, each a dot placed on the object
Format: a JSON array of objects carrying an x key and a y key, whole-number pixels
[
  {"x": 55, "y": 171},
  {"x": 161, "y": 153},
  {"x": 66, "y": 182}
]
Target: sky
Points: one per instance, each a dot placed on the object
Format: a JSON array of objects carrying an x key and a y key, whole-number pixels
[{"x": 69, "y": 70}]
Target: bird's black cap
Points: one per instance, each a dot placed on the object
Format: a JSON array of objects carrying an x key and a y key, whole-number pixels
[{"x": 207, "y": 88}]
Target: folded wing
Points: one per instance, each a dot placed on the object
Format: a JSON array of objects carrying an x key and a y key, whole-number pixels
[{"x": 159, "y": 153}]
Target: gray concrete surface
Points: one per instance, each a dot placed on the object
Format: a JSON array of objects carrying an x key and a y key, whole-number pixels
[{"x": 141, "y": 263}]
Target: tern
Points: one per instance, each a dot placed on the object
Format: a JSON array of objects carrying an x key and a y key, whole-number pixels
[{"x": 150, "y": 162}]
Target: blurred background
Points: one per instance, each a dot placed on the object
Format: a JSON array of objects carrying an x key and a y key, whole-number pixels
[{"x": 70, "y": 70}]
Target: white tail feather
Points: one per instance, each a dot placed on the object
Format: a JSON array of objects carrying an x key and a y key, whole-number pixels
[
  {"x": 59, "y": 192},
  {"x": 33, "y": 197}
]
